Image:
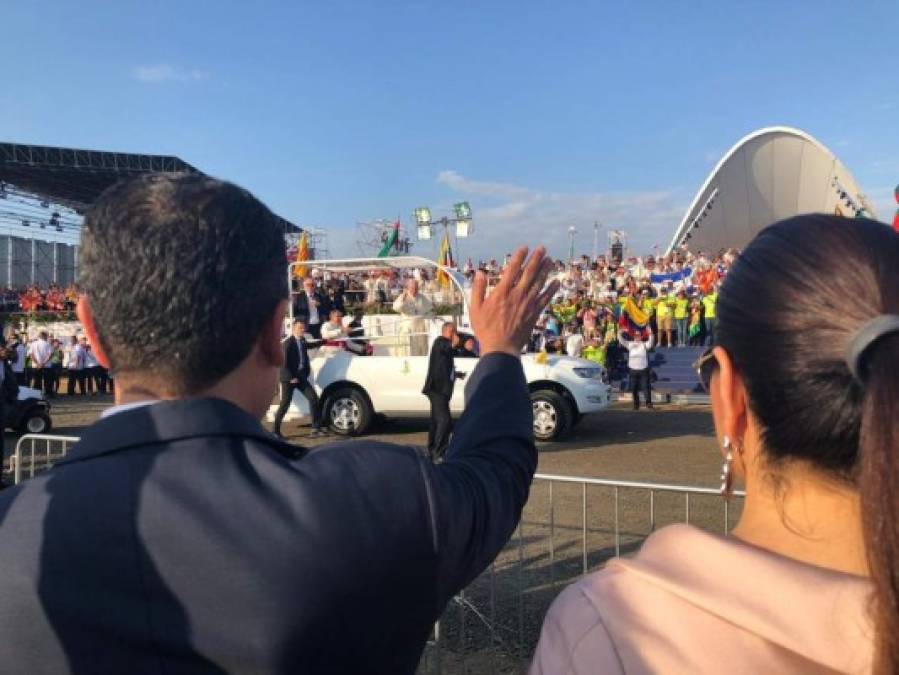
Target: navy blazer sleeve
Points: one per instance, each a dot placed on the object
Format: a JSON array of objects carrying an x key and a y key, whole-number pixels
[{"x": 478, "y": 492}]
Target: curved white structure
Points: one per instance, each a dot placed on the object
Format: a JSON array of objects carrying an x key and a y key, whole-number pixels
[{"x": 771, "y": 174}]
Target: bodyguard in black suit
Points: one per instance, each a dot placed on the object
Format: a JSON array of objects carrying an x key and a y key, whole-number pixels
[
  {"x": 439, "y": 384},
  {"x": 179, "y": 536},
  {"x": 312, "y": 307},
  {"x": 294, "y": 376}
]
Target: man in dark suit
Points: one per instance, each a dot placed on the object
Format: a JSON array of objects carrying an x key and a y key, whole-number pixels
[
  {"x": 439, "y": 384},
  {"x": 312, "y": 307},
  {"x": 294, "y": 376},
  {"x": 179, "y": 536}
]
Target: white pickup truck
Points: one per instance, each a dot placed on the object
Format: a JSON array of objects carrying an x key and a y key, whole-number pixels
[{"x": 355, "y": 388}]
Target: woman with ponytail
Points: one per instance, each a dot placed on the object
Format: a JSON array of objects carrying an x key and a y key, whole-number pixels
[{"x": 804, "y": 385}]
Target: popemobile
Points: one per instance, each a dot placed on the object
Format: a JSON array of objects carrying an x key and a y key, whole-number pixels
[{"x": 381, "y": 371}]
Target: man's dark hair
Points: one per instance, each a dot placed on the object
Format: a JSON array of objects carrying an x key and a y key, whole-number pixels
[{"x": 181, "y": 272}]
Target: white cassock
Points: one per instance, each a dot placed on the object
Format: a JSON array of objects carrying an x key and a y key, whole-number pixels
[
  {"x": 371, "y": 290},
  {"x": 413, "y": 327}
]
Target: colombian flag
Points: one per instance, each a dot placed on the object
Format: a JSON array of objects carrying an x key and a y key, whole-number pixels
[{"x": 632, "y": 319}]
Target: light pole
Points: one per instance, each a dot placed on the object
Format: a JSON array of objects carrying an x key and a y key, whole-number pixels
[
  {"x": 571, "y": 232},
  {"x": 461, "y": 222}
]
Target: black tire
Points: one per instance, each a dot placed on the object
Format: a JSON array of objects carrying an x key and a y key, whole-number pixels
[
  {"x": 37, "y": 423},
  {"x": 348, "y": 412},
  {"x": 553, "y": 415}
]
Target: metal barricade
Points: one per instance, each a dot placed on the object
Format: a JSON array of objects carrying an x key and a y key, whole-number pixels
[
  {"x": 38, "y": 452},
  {"x": 571, "y": 525}
]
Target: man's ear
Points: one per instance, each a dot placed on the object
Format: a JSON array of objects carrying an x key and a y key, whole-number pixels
[
  {"x": 270, "y": 350},
  {"x": 86, "y": 317}
]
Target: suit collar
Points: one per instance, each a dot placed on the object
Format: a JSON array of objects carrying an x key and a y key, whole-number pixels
[{"x": 168, "y": 421}]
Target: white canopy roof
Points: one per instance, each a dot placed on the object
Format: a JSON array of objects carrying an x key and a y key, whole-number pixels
[{"x": 769, "y": 175}]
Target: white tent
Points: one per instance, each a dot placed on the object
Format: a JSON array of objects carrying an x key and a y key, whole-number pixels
[{"x": 771, "y": 174}]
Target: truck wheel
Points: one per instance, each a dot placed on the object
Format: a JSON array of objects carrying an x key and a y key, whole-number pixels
[
  {"x": 347, "y": 412},
  {"x": 38, "y": 423},
  {"x": 552, "y": 415}
]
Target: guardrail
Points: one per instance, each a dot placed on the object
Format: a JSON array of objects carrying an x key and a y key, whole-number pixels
[
  {"x": 571, "y": 526},
  {"x": 38, "y": 452}
]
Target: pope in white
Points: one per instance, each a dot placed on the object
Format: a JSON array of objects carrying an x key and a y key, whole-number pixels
[{"x": 414, "y": 308}]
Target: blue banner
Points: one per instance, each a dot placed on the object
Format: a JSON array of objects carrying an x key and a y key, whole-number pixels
[{"x": 673, "y": 277}]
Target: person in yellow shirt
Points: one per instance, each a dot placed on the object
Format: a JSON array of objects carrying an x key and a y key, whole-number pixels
[
  {"x": 681, "y": 311},
  {"x": 708, "y": 306},
  {"x": 664, "y": 320}
]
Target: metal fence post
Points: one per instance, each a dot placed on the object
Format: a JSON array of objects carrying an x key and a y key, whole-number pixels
[
  {"x": 584, "y": 525},
  {"x": 552, "y": 532}
]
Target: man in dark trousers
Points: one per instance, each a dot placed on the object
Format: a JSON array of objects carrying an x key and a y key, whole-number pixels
[
  {"x": 639, "y": 374},
  {"x": 438, "y": 388},
  {"x": 179, "y": 536},
  {"x": 294, "y": 376},
  {"x": 312, "y": 307}
]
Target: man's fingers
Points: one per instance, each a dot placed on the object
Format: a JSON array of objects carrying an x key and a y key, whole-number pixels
[
  {"x": 478, "y": 291},
  {"x": 544, "y": 298},
  {"x": 512, "y": 271},
  {"x": 533, "y": 268},
  {"x": 538, "y": 281}
]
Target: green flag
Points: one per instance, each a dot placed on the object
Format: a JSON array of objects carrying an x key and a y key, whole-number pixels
[{"x": 391, "y": 241}]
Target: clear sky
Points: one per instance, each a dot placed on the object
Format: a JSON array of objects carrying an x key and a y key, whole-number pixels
[{"x": 541, "y": 114}]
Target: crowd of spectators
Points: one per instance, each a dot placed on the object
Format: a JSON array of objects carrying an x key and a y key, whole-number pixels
[
  {"x": 45, "y": 360},
  {"x": 676, "y": 295},
  {"x": 53, "y": 298}
]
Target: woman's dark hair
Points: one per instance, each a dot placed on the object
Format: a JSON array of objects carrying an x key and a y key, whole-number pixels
[
  {"x": 787, "y": 311},
  {"x": 181, "y": 271}
]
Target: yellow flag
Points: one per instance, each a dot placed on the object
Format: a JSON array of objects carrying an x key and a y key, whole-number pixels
[
  {"x": 446, "y": 259},
  {"x": 637, "y": 315},
  {"x": 299, "y": 271}
]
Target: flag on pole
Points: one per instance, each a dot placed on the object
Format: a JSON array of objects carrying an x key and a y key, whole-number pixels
[
  {"x": 445, "y": 259},
  {"x": 299, "y": 271},
  {"x": 391, "y": 241}
]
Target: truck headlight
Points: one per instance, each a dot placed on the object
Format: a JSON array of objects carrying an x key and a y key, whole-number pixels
[{"x": 588, "y": 372}]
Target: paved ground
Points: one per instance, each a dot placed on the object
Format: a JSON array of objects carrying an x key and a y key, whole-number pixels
[
  {"x": 494, "y": 626},
  {"x": 670, "y": 445}
]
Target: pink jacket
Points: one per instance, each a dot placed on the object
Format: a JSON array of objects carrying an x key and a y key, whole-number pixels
[{"x": 694, "y": 602}]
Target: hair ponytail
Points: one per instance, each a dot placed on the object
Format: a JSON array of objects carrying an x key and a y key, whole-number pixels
[
  {"x": 789, "y": 315},
  {"x": 879, "y": 491}
]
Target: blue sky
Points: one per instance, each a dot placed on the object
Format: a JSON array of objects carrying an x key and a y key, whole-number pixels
[{"x": 541, "y": 114}]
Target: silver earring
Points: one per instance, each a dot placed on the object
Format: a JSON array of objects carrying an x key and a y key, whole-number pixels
[{"x": 727, "y": 478}]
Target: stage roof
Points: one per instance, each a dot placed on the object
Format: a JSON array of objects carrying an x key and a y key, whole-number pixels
[
  {"x": 75, "y": 178},
  {"x": 771, "y": 174}
]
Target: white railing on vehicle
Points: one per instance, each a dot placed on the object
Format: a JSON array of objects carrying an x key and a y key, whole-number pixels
[{"x": 38, "y": 452}]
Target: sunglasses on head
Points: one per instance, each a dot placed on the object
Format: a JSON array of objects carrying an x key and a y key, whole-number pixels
[{"x": 705, "y": 366}]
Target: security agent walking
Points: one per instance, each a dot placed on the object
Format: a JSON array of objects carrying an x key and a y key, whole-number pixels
[
  {"x": 439, "y": 384},
  {"x": 639, "y": 374},
  {"x": 179, "y": 536},
  {"x": 294, "y": 376}
]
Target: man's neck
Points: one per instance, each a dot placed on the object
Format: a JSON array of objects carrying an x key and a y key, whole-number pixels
[{"x": 232, "y": 388}]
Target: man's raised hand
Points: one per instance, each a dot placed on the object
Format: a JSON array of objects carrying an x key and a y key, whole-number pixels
[{"x": 503, "y": 321}]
